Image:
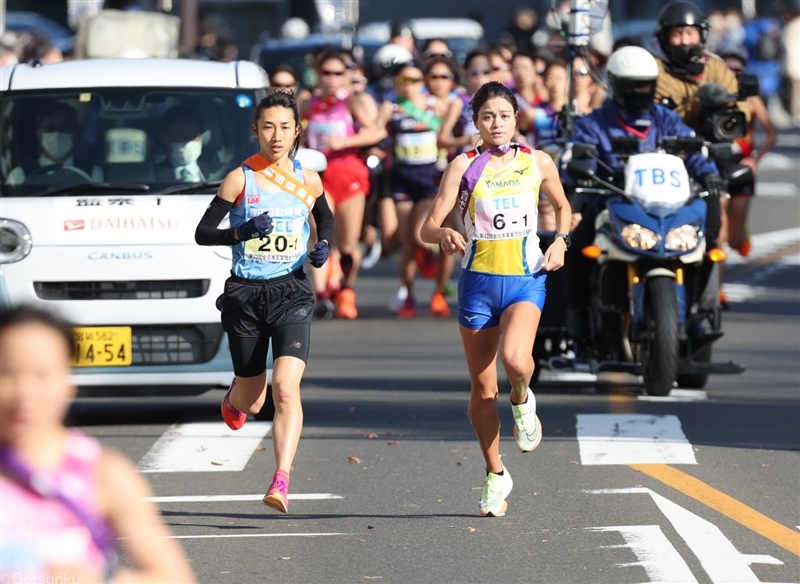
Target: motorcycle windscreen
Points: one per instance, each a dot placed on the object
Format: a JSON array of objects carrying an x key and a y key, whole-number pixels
[{"x": 657, "y": 181}]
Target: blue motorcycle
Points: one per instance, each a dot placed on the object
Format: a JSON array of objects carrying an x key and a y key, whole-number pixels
[{"x": 647, "y": 315}]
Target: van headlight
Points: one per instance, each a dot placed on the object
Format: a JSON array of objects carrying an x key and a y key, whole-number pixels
[
  {"x": 15, "y": 241},
  {"x": 638, "y": 237},
  {"x": 682, "y": 238}
]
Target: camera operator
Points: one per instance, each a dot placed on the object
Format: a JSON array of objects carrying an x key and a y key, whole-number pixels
[{"x": 684, "y": 66}]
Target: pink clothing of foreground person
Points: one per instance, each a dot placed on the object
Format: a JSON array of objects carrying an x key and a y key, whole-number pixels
[{"x": 65, "y": 498}]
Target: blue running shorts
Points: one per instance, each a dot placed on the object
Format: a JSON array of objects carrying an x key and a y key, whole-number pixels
[{"x": 482, "y": 298}]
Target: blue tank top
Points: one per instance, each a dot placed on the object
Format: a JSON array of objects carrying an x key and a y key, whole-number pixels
[{"x": 284, "y": 250}]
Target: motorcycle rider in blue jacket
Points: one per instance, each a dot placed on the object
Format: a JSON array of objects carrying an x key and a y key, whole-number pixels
[{"x": 631, "y": 112}]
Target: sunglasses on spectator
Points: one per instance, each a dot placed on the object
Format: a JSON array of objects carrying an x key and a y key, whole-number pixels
[
  {"x": 479, "y": 72},
  {"x": 352, "y": 66},
  {"x": 581, "y": 71},
  {"x": 440, "y": 77},
  {"x": 408, "y": 80},
  {"x": 329, "y": 73},
  {"x": 360, "y": 80},
  {"x": 431, "y": 55}
]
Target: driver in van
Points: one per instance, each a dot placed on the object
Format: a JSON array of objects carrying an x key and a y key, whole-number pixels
[
  {"x": 632, "y": 74},
  {"x": 56, "y": 132},
  {"x": 183, "y": 138}
]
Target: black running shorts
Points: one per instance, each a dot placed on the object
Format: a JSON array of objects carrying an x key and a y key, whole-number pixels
[{"x": 255, "y": 312}]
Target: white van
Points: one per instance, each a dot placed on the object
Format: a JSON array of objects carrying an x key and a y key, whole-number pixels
[{"x": 106, "y": 168}]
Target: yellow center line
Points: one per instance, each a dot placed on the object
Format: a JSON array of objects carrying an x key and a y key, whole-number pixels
[{"x": 725, "y": 504}]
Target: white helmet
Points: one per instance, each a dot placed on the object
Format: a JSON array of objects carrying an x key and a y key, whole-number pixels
[
  {"x": 632, "y": 74},
  {"x": 295, "y": 28},
  {"x": 388, "y": 56}
]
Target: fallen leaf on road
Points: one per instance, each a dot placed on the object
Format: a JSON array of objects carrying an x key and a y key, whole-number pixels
[
  {"x": 451, "y": 526},
  {"x": 260, "y": 448},
  {"x": 354, "y": 459},
  {"x": 533, "y": 494},
  {"x": 439, "y": 501},
  {"x": 370, "y": 527},
  {"x": 362, "y": 540},
  {"x": 371, "y": 435},
  {"x": 201, "y": 448},
  {"x": 215, "y": 463},
  {"x": 459, "y": 464},
  {"x": 395, "y": 443},
  {"x": 287, "y": 558},
  {"x": 472, "y": 529},
  {"x": 573, "y": 462}
]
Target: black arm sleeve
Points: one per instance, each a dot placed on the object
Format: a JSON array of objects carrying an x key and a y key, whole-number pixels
[
  {"x": 324, "y": 219},
  {"x": 208, "y": 231}
]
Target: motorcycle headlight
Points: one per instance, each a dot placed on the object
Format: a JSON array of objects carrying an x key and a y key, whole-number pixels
[
  {"x": 682, "y": 238},
  {"x": 638, "y": 237},
  {"x": 15, "y": 241}
]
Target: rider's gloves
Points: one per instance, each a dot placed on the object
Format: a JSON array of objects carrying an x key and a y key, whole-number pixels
[
  {"x": 713, "y": 183},
  {"x": 256, "y": 227},
  {"x": 320, "y": 254}
]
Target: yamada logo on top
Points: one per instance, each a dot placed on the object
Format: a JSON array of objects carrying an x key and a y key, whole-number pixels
[{"x": 122, "y": 223}]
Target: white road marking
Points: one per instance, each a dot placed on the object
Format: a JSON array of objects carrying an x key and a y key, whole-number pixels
[
  {"x": 204, "y": 447},
  {"x": 775, "y": 161},
  {"x": 718, "y": 556},
  {"x": 227, "y": 535},
  {"x": 655, "y": 553},
  {"x": 776, "y": 189},
  {"x": 632, "y": 439},
  {"x": 233, "y": 498},
  {"x": 737, "y": 292},
  {"x": 763, "y": 244},
  {"x": 677, "y": 395}
]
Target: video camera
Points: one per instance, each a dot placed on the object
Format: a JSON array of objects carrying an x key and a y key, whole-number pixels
[{"x": 724, "y": 122}]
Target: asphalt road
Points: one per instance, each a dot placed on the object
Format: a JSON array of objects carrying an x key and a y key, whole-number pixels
[{"x": 702, "y": 486}]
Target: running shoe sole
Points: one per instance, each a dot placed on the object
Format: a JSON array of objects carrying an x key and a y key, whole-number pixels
[{"x": 276, "y": 502}]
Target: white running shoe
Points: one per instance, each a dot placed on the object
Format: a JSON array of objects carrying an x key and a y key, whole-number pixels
[
  {"x": 494, "y": 493},
  {"x": 399, "y": 299},
  {"x": 527, "y": 427},
  {"x": 372, "y": 254}
]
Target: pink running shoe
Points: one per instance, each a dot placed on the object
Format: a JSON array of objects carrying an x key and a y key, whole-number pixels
[
  {"x": 233, "y": 417},
  {"x": 277, "y": 496}
]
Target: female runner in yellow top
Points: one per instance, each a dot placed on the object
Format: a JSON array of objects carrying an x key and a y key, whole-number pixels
[{"x": 501, "y": 289}]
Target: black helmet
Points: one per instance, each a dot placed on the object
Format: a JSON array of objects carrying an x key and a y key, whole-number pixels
[{"x": 681, "y": 14}]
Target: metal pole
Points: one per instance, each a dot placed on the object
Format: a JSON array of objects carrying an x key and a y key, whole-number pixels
[
  {"x": 189, "y": 27},
  {"x": 2, "y": 16}
]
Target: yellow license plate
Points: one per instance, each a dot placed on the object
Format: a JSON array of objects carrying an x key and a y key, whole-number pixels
[{"x": 102, "y": 346}]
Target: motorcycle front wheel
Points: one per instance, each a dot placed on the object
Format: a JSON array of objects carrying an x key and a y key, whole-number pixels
[{"x": 660, "y": 345}]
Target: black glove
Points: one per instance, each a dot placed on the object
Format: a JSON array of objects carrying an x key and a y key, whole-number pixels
[
  {"x": 713, "y": 183},
  {"x": 319, "y": 256},
  {"x": 256, "y": 227}
]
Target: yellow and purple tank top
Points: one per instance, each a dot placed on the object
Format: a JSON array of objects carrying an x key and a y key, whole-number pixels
[{"x": 500, "y": 213}]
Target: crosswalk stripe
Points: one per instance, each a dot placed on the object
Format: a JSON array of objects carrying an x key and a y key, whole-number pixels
[
  {"x": 204, "y": 447},
  {"x": 234, "y": 498},
  {"x": 776, "y": 189},
  {"x": 229, "y": 535},
  {"x": 606, "y": 439}
]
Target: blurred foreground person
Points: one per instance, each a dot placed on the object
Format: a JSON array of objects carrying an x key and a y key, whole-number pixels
[{"x": 65, "y": 498}]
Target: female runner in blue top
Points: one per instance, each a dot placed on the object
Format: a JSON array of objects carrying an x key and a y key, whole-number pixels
[
  {"x": 501, "y": 289},
  {"x": 269, "y": 296}
]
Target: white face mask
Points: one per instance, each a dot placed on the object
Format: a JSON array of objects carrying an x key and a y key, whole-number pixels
[
  {"x": 57, "y": 145},
  {"x": 186, "y": 152}
]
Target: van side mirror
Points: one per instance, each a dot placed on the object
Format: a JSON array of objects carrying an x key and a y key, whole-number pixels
[{"x": 740, "y": 178}]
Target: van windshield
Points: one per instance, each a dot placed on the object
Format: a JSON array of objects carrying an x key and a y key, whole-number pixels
[{"x": 159, "y": 137}]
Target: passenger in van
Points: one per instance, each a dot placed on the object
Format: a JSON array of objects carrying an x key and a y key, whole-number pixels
[
  {"x": 56, "y": 133},
  {"x": 183, "y": 139}
]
